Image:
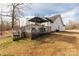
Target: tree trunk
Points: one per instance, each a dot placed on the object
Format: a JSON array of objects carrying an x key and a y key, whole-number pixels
[{"x": 13, "y": 11}]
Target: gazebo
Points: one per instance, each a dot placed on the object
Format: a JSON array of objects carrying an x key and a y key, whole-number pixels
[{"x": 37, "y": 28}]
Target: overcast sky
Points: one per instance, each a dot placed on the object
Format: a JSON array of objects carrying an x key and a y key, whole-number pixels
[{"x": 67, "y": 11}]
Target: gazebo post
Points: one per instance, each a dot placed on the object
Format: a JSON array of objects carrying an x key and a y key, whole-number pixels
[
  {"x": 19, "y": 28},
  {"x": 50, "y": 26}
]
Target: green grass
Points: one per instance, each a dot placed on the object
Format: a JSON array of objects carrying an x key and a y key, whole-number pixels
[{"x": 6, "y": 43}]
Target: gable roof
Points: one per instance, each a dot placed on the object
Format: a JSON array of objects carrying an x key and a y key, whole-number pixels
[
  {"x": 53, "y": 18},
  {"x": 61, "y": 20}
]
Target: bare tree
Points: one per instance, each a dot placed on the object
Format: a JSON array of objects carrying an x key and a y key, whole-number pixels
[
  {"x": 1, "y": 22},
  {"x": 17, "y": 11},
  {"x": 14, "y": 7}
]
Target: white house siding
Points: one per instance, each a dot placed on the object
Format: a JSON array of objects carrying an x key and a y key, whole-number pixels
[
  {"x": 57, "y": 25},
  {"x": 48, "y": 26}
]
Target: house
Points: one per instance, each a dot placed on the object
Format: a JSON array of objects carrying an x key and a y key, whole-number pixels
[
  {"x": 55, "y": 23},
  {"x": 42, "y": 25},
  {"x": 51, "y": 23}
]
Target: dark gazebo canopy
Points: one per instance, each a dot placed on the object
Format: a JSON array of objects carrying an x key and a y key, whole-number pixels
[{"x": 38, "y": 20}]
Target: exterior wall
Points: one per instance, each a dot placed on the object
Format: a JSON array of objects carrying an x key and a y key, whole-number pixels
[
  {"x": 57, "y": 25},
  {"x": 48, "y": 26}
]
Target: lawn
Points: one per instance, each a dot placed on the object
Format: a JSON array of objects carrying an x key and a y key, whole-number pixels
[{"x": 54, "y": 44}]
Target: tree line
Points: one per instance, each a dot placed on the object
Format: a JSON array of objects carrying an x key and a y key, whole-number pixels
[{"x": 72, "y": 25}]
